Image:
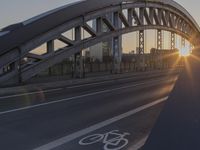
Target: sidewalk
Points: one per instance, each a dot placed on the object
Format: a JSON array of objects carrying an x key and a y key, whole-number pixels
[{"x": 69, "y": 82}]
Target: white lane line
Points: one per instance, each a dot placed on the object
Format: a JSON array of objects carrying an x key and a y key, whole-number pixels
[
  {"x": 71, "y": 87},
  {"x": 76, "y": 97},
  {"x": 31, "y": 93},
  {"x": 109, "y": 81},
  {"x": 139, "y": 144},
  {"x": 99, "y": 83},
  {"x": 89, "y": 84},
  {"x": 73, "y": 136},
  {"x": 58, "y": 89}
]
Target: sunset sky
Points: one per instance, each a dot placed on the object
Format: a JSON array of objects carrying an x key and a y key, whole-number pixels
[{"x": 13, "y": 11}]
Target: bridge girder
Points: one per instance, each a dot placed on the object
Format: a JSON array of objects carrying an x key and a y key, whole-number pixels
[
  {"x": 140, "y": 16},
  {"x": 173, "y": 40}
]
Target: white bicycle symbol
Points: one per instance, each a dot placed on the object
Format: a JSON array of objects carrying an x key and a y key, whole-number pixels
[{"x": 113, "y": 140}]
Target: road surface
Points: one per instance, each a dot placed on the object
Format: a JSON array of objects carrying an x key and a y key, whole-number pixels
[
  {"x": 107, "y": 115},
  {"x": 178, "y": 127}
]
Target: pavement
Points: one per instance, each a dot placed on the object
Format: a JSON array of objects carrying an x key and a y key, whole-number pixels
[
  {"x": 108, "y": 115},
  {"x": 50, "y": 83},
  {"x": 178, "y": 127}
]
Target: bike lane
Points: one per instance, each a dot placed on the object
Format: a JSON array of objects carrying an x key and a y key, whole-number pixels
[{"x": 125, "y": 134}]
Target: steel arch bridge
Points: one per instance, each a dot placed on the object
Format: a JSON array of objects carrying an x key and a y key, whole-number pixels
[{"x": 18, "y": 40}]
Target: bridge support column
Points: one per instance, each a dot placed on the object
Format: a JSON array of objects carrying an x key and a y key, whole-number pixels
[
  {"x": 141, "y": 59},
  {"x": 117, "y": 46},
  {"x": 182, "y": 42},
  {"x": 78, "y": 66},
  {"x": 117, "y": 55},
  {"x": 17, "y": 66},
  {"x": 78, "y": 59},
  {"x": 159, "y": 39},
  {"x": 141, "y": 42},
  {"x": 173, "y": 40},
  {"x": 50, "y": 49},
  {"x": 99, "y": 25}
]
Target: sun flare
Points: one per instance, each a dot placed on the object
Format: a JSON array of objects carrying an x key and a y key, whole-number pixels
[{"x": 184, "y": 52}]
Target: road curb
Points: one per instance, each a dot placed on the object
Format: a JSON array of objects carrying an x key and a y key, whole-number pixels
[{"x": 60, "y": 84}]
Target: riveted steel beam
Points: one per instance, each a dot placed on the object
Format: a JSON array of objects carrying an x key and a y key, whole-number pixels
[
  {"x": 66, "y": 40},
  {"x": 50, "y": 47},
  {"x": 173, "y": 40},
  {"x": 89, "y": 30},
  {"x": 108, "y": 23},
  {"x": 141, "y": 41},
  {"x": 159, "y": 39},
  {"x": 123, "y": 19},
  {"x": 148, "y": 18},
  {"x": 130, "y": 16},
  {"x": 69, "y": 51},
  {"x": 182, "y": 42},
  {"x": 136, "y": 17},
  {"x": 146, "y": 14}
]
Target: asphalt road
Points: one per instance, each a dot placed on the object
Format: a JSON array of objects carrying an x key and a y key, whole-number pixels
[
  {"x": 109, "y": 115},
  {"x": 178, "y": 127}
]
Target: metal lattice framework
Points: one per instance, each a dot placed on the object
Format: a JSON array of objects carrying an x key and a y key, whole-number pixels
[
  {"x": 182, "y": 42},
  {"x": 17, "y": 41},
  {"x": 141, "y": 41},
  {"x": 173, "y": 40},
  {"x": 159, "y": 39}
]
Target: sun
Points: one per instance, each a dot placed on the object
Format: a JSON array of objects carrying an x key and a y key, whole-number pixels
[{"x": 184, "y": 52}]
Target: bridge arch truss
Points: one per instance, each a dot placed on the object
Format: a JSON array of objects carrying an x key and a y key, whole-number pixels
[{"x": 127, "y": 16}]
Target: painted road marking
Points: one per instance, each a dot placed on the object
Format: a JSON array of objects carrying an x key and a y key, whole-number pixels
[
  {"x": 113, "y": 80},
  {"x": 31, "y": 93},
  {"x": 73, "y": 136},
  {"x": 112, "y": 140},
  {"x": 70, "y": 87},
  {"x": 108, "y": 81},
  {"x": 77, "y": 97},
  {"x": 89, "y": 84}
]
